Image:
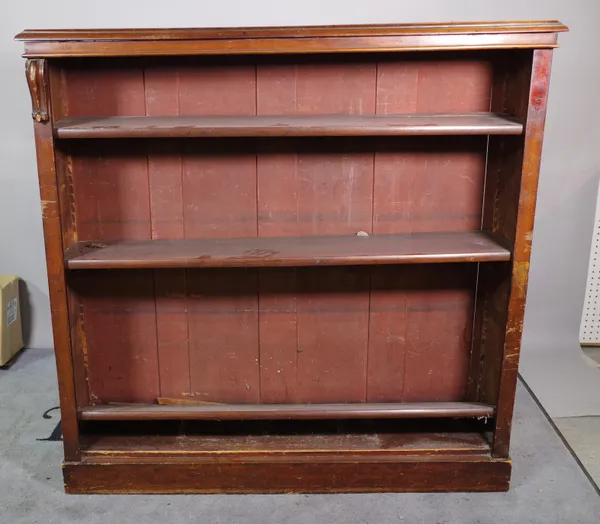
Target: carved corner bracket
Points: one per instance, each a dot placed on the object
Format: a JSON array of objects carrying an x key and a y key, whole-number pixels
[{"x": 35, "y": 70}]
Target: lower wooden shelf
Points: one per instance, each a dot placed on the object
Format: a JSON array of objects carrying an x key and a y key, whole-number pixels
[
  {"x": 321, "y": 463},
  {"x": 332, "y": 445},
  {"x": 286, "y": 411}
]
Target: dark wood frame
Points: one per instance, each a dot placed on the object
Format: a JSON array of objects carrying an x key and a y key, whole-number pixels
[{"x": 509, "y": 203}]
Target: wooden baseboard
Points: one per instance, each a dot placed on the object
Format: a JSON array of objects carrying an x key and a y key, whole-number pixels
[{"x": 357, "y": 474}]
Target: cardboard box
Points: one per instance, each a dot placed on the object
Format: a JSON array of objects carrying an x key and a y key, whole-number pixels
[{"x": 11, "y": 336}]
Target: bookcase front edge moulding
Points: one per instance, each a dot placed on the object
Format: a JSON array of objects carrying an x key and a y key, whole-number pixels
[{"x": 288, "y": 259}]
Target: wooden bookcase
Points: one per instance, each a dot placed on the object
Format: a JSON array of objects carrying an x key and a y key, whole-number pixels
[{"x": 289, "y": 259}]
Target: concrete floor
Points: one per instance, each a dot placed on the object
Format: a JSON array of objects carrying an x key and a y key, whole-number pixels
[
  {"x": 548, "y": 485},
  {"x": 582, "y": 433},
  {"x": 583, "y": 436},
  {"x": 566, "y": 381}
]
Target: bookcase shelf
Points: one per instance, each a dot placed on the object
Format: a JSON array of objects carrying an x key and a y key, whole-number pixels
[
  {"x": 286, "y": 411},
  {"x": 257, "y": 446},
  {"x": 464, "y": 246},
  {"x": 288, "y": 125}
]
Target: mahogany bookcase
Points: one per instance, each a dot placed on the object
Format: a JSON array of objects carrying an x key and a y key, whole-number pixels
[{"x": 288, "y": 259}]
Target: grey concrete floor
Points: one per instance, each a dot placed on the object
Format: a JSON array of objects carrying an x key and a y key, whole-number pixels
[
  {"x": 582, "y": 433},
  {"x": 566, "y": 380},
  {"x": 583, "y": 436},
  {"x": 548, "y": 485}
]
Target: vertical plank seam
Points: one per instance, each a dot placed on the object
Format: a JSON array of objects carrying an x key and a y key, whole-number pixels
[
  {"x": 370, "y": 270},
  {"x": 296, "y": 330},
  {"x": 487, "y": 151},
  {"x": 255, "y": 151},
  {"x": 151, "y": 224},
  {"x": 406, "y": 341},
  {"x": 181, "y": 146},
  {"x": 403, "y": 280},
  {"x": 297, "y": 271},
  {"x": 257, "y": 235}
]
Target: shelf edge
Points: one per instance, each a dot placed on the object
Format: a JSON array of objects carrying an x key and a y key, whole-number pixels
[{"x": 285, "y": 411}]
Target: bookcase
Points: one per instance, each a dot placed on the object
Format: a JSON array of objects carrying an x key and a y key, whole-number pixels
[{"x": 288, "y": 259}]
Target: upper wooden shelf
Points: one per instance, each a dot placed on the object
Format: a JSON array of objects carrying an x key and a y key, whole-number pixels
[
  {"x": 466, "y": 246},
  {"x": 42, "y": 43},
  {"x": 290, "y": 125}
]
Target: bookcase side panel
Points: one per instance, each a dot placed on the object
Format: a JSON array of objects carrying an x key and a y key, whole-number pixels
[
  {"x": 520, "y": 88},
  {"x": 537, "y": 96},
  {"x": 38, "y": 78}
]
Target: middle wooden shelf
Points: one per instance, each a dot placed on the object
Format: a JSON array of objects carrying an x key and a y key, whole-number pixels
[{"x": 415, "y": 248}]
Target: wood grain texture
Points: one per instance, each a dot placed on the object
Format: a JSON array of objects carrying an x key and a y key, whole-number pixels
[
  {"x": 360, "y": 473},
  {"x": 461, "y": 246},
  {"x": 290, "y": 125}
]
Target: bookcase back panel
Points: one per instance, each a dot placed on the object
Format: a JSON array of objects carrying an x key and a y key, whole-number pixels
[
  {"x": 305, "y": 335},
  {"x": 422, "y": 82},
  {"x": 279, "y": 335},
  {"x": 264, "y": 323},
  {"x": 134, "y": 190}
]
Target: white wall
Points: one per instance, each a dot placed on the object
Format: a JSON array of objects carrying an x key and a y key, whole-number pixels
[{"x": 570, "y": 167}]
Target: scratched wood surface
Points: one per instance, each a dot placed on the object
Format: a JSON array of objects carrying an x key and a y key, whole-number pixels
[{"x": 278, "y": 335}]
